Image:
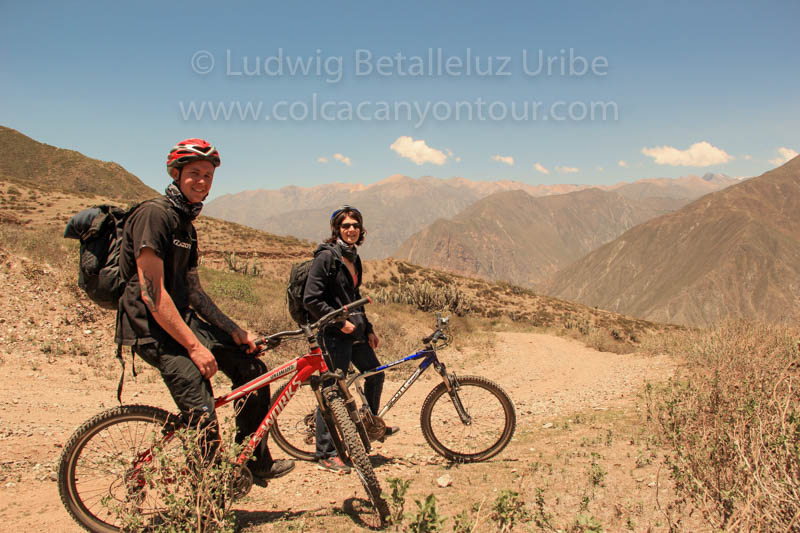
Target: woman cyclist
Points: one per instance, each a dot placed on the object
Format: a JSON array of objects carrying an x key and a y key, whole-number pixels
[{"x": 333, "y": 281}]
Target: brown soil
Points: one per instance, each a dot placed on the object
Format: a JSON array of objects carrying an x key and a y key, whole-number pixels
[{"x": 57, "y": 372}]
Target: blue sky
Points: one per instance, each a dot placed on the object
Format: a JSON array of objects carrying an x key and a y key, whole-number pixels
[{"x": 688, "y": 87}]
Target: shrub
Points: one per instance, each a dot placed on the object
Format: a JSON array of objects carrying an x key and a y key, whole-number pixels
[
  {"x": 732, "y": 422},
  {"x": 425, "y": 297},
  {"x": 189, "y": 493}
]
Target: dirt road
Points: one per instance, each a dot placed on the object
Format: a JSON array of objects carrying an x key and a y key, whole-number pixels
[{"x": 45, "y": 396}]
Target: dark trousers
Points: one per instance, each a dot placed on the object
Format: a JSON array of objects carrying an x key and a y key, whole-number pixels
[
  {"x": 341, "y": 352},
  {"x": 193, "y": 393}
]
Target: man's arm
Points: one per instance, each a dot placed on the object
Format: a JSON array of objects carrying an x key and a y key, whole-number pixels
[
  {"x": 206, "y": 308},
  {"x": 155, "y": 296}
]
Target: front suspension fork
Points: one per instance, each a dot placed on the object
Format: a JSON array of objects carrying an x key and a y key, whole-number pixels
[{"x": 451, "y": 384}]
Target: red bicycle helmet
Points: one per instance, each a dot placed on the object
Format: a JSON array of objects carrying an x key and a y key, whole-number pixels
[{"x": 190, "y": 150}]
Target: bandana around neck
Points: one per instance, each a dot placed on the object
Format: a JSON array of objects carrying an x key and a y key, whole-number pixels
[
  {"x": 348, "y": 251},
  {"x": 177, "y": 199}
]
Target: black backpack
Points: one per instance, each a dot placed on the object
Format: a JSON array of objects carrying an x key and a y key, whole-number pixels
[
  {"x": 296, "y": 287},
  {"x": 100, "y": 231}
]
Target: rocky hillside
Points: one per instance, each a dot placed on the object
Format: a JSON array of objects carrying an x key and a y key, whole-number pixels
[
  {"x": 38, "y": 165},
  {"x": 732, "y": 253},
  {"x": 515, "y": 237}
]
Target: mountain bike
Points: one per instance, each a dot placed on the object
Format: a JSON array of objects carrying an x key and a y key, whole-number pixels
[
  {"x": 464, "y": 418},
  {"x": 108, "y": 457}
]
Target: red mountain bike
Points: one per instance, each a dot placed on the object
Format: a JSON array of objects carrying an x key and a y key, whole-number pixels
[{"x": 107, "y": 458}]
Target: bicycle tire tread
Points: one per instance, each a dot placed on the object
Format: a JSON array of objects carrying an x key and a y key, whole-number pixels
[
  {"x": 358, "y": 455},
  {"x": 481, "y": 455},
  {"x": 77, "y": 442}
]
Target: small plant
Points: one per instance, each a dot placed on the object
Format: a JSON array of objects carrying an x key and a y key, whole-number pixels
[
  {"x": 397, "y": 499},
  {"x": 541, "y": 518},
  {"x": 509, "y": 510},
  {"x": 587, "y": 523},
  {"x": 597, "y": 474},
  {"x": 465, "y": 522},
  {"x": 427, "y": 518},
  {"x": 585, "y": 500},
  {"x": 190, "y": 488}
]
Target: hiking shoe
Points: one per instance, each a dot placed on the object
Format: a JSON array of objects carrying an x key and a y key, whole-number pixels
[
  {"x": 333, "y": 464},
  {"x": 390, "y": 430},
  {"x": 279, "y": 468}
]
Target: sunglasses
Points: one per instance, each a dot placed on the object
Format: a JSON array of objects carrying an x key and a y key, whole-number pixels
[{"x": 348, "y": 225}]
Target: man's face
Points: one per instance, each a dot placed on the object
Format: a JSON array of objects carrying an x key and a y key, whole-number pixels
[{"x": 196, "y": 179}]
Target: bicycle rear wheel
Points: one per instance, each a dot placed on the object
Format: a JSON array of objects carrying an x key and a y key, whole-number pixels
[
  {"x": 103, "y": 469},
  {"x": 490, "y": 424},
  {"x": 358, "y": 455},
  {"x": 294, "y": 431}
]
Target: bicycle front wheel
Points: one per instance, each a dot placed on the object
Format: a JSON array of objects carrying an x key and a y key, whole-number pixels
[
  {"x": 295, "y": 430},
  {"x": 480, "y": 431},
  {"x": 358, "y": 455},
  {"x": 103, "y": 470}
]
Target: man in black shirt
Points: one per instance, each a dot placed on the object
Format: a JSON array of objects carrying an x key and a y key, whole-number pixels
[{"x": 159, "y": 308}]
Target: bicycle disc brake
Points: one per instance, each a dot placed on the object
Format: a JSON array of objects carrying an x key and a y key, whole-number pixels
[
  {"x": 241, "y": 483},
  {"x": 309, "y": 428},
  {"x": 375, "y": 426}
]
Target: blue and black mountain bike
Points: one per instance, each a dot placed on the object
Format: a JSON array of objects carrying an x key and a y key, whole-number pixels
[{"x": 464, "y": 418}]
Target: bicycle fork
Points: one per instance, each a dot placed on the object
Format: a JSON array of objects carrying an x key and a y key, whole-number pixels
[
  {"x": 451, "y": 383},
  {"x": 339, "y": 388}
]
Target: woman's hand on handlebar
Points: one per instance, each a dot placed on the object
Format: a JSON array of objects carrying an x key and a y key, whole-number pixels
[{"x": 348, "y": 327}]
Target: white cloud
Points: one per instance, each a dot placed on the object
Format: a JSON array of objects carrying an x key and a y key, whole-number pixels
[
  {"x": 600, "y": 169},
  {"x": 702, "y": 154},
  {"x": 322, "y": 160},
  {"x": 622, "y": 163},
  {"x": 507, "y": 159},
  {"x": 343, "y": 158},
  {"x": 747, "y": 157},
  {"x": 417, "y": 151},
  {"x": 541, "y": 168},
  {"x": 786, "y": 155},
  {"x": 567, "y": 170}
]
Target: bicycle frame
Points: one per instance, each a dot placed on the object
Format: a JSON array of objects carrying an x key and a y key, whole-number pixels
[
  {"x": 429, "y": 357},
  {"x": 302, "y": 367}
]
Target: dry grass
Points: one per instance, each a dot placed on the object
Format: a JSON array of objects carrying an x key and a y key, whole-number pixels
[{"x": 732, "y": 423}]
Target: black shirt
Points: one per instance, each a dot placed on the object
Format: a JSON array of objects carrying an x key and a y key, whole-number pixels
[{"x": 157, "y": 225}]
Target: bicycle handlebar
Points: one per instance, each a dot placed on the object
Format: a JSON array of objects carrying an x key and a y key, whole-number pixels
[
  {"x": 438, "y": 334},
  {"x": 274, "y": 340}
]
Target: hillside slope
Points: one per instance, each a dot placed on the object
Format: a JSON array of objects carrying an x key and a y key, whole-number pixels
[
  {"x": 38, "y": 165},
  {"x": 732, "y": 253},
  {"x": 515, "y": 237}
]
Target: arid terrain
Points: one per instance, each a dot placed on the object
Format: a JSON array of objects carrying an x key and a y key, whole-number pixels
[
  {"x": 587, "y": 454},
  {"x": 48, "y": 391},
  {"x": 57, "y": 359}
]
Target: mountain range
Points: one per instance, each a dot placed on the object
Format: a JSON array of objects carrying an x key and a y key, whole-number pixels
[
  {"x": 515, "y": 237},
  {"x": 732, "y": 253},
  {"x": 399, "y": 206}
]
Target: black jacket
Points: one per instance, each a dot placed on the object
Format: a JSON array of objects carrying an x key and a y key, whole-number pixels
[{"x": 329, "y": 286}]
